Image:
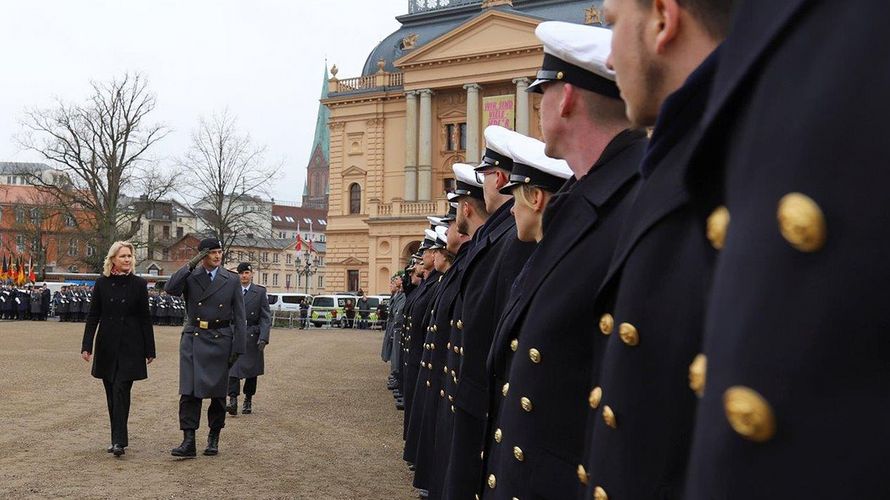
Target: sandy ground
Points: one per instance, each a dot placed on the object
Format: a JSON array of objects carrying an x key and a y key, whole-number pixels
[{"x": 324, "y": 425}]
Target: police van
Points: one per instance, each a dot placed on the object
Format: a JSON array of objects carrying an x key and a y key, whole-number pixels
[{"x": 287, "y": 301}]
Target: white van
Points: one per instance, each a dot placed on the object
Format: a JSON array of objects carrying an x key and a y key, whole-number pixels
[{"x": 287, "y": 301}]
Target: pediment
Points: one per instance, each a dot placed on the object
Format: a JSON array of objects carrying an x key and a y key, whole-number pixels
[
  {"x": 351, "y": 261},
  {"x": 491, "y": 33},
  {"x": 354, "y": 171}
]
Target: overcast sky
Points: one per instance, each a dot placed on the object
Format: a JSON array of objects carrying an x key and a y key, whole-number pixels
[{"x": 262, "y": 59}]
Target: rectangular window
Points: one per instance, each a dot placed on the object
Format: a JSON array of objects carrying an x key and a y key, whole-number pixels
[
  {"x": 179, "y": 232},
  {"x": 299, "y": 280},
  {"x": 265, "y": 278},
  {"x": 166, "y": 232},
  {"x": 19, "y": 215},
  {"x": 20, "y": 243},
  {"x": 72, "y": 248},
  {"x": 321, "y": 282},
  {"x": 91, "y": 250},
  {"x": 449, "y": 137},
  {"x": 352, "y": 280},
  {"x": 275, "y": 279},
  {"x": 165, "y": 254},
  {"x": 265, "y": 256},
  {"x": 275, "y": 258},
  {"x": 290, "y": 259}
]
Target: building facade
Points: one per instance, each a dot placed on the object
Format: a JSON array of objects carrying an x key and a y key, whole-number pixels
[{"x": 426, "y": 94}]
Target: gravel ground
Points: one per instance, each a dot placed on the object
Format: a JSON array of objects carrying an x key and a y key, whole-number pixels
[{"x": 324, "y": 425}]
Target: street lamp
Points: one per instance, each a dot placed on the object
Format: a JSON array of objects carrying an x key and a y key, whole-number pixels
[{"x": 306, "y": 267}]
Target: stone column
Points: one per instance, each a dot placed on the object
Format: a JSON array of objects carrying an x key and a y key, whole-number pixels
[
  {"x": 472, "y": 122},
  {"x": 521, "y": 105},
  {"x": 425, "y": 156},
  {"x": 411, "y": 145}
]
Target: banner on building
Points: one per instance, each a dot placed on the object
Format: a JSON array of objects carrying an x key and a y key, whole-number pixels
[{"x": 499, "y": 110}]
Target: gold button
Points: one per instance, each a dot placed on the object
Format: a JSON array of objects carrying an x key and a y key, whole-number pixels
[
  {"x": 427, "y": 383},
  {"x": 526, "y": 403},
  {"x": 492, "y": 481},
  {"x": 600, "y": 494},
  {"x": 450, "y": 398},
  {"x": 716, "y": 226},
  {"x": 582, "y": 475},
  {"x": 801, "y": 222},
  {"x": 453, "y": 374},
  {"x": 452, "y": 408},
  {"x": 498, "y": 435},
  {"x": 505, "y": 388},
  {"x": 432, "y": 347},
  {"x": 514, "y": 344},
  {"x": 607, "y": 323},
  {"x": 454, "y": 379},
  {"x": 534, "y": 355},
  {"x": 442, "y": 393},
  {"x": 559, "y": 75},
  {"x": 609, "y": 417},
  {"x": 456, "y": 350},
  {"x": 749, "y": 414},
  {"x": 451, "y": 323},
  {"x": 629, "y": 334},
  {"x": 460, "y": 325},
  {"x": 444, "y": 369},
  {"x": 596, "y": 395},
  {"x": 697, "y": 371},
  {"x": 435, "y": 328},
  {"x": 448, "y": 346},
  {"x": 517, "y": 453},
  {"x": 200, "y": 304},
  {"x": 220, "y": 306},
  {"x": 461, "y": 351}
]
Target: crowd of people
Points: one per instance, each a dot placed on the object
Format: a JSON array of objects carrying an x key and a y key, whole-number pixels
[
  {"x": 27, "y": 303},
  {"x": 679, "y": 293}
]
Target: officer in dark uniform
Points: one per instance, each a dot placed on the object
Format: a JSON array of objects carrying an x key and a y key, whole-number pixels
[
  {"x": 259, "y": 321},
  {"x": 796, "y": 393},
  {"x": 492, "y": 264},
  {"x": 211, "y": 341},
  {"x": 545, "y": 348},
  {"x": 450, "y": 246},
  {"x": 651, "y": 314},
  {"x": 23, "y": 301},
  {"x": 35, "y": 304},
  {"x": 153, "y": 306},
  {"x": 44, "y": 302}
]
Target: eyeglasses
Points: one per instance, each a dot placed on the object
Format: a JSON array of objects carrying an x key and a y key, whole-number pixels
[{"x": 480, "y": 175}]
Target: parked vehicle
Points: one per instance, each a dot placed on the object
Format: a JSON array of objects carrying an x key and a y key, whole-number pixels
[
  {"x": 286, "y": 301},
  {"x": 328, "y": 309}
]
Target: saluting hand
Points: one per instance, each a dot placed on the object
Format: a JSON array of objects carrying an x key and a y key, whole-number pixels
[
  {"x": 86, "y": 356},
  {"x": 198, "y": 258}
]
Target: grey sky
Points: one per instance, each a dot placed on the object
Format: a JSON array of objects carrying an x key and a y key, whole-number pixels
[{"x": 261, "y": 59}]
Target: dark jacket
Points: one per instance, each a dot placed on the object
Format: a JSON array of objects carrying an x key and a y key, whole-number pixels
[
  {"x": 496, "y": 259},
  {"x": 119, "y": 309},
  {"x": 656, "y": 284},
  {"x": 546, "y": 345},
  {"x": 414, "y": 339},
  {"x": 204, "y": 352},
  {"x": 797, "y": 393},
  {"x": 259, "y": 322}
]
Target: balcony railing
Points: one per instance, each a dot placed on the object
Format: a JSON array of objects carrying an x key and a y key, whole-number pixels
[
  {"x": 416, "y": 6},
  {"x": 364, "y": 83},
  {"x": 400, "y": 208}
]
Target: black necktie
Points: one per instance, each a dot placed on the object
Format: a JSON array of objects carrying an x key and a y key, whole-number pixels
[{"x": 244, "y": 291}]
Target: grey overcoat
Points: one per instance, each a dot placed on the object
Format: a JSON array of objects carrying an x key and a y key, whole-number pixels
[{"x": 259, "y": 321}]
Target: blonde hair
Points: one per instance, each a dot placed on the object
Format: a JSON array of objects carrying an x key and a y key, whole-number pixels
[
  {"x": 523, "y": 192},
  {"x": 115, "y": 248}
]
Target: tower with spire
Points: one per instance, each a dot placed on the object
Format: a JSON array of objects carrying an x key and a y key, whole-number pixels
[{"x": 315, "y": 191}]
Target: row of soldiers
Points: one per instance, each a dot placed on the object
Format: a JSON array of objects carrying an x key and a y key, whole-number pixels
[
  {"x": 72, "y": 303},
  {"x": 165, "y": 309},
  {"x": 700, "y": 313},
  {"x": 25, "y": 303}
]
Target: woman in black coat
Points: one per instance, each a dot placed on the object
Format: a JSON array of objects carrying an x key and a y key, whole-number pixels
[{"x": 125, "y": 344}]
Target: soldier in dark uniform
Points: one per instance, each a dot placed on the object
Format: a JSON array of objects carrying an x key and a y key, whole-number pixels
[
  {"x": 35, "y": 304},
  {"x": 5, "y": 302},
  {"x": 496, "y": 258},
  {"x": 251, "y": 364},
  {"x": 153, "y": 306},
  {"x": 211, "y": 342},
  {"x": 163, "y": 308},
  {"x": 23, "y": 302},
  {"x": 545, "y": 347},
  {"x": 44, "y": 302},
  {"x": 796, "y": 394},
  {"x": 651, "y": 314}
]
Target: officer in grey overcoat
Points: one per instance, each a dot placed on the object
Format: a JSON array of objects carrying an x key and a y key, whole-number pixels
[
  {"x": 212, "y": 339},
  {"x": 259, "y": 322}
]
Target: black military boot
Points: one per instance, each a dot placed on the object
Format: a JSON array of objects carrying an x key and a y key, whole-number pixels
[
  {"x": 187, "y": 448},
  {"x": 212, "y": 443},
  {"x": 232, "y": 407},
  {"x": 247, "y": 406}
]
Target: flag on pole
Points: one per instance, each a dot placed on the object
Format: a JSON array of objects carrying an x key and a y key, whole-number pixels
[
  {"x": 3, "y": 269},
  {"x": 32, "y": 277},
  {"x": 299, "y": 242},
  {"x": 20, "y": 278}
]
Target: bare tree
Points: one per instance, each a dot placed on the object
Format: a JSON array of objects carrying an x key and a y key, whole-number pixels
[
  {"x": 228, "y": 179},
  {"x": 102, "y": 146}
]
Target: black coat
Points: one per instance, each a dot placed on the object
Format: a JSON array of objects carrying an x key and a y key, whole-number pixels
[
  {"x": 493, "y": 264},
  {"x": 544, "y": 347},
  {"x": 119, "y": 309},
  {"x": 797, "y": 394},
  {"x": 415, "y": 331},
  {"x": 657, "y": 284}
]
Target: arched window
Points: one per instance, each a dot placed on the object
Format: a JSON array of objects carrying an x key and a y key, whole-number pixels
[{"x": 355, "y": 199}]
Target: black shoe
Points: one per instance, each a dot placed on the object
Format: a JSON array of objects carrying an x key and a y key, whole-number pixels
[
  {"x": 187, "y": 448},
  {"x": 110, "y": 449},
  {"x": 117, "y": 449},
  {"x": 212, "y": 443},
  {"x": 400, "y": 406},
  {"x": 247, "y": 407},
  {"x": 232, "y": 407}
]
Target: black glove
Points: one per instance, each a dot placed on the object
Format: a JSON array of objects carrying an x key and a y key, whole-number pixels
[
  {"x": 261, "y": 344},
  {"x": 197, "y": 259},
  {"x": 232, "y": 358}
]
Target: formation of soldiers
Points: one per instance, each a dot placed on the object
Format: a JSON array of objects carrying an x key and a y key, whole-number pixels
[
  {"x": 72, "y": 303},
  {"x": 165, "y": 309},
  {"x": 681, "y": 292},
  {"x": 28, "y": 303}
]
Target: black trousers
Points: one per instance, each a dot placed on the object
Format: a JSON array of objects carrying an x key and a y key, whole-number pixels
[
  {"x": 235, "y": 386},
  {"x": 190, "y": 413},
  {"x": 117, "y": 395}
]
